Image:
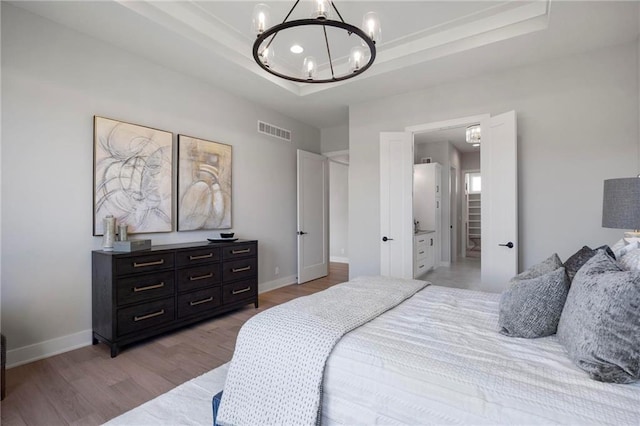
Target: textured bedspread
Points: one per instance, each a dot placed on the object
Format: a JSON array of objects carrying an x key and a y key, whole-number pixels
[
  {"x": 277, "y": 368},
  {"x": 438, "y": 359}
]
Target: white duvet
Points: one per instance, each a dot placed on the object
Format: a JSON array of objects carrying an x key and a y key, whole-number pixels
[
  {"x": 435, "y": 359},
  {"x": 438, "y": 359}
]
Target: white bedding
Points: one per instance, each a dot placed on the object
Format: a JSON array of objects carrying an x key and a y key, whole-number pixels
[
  {"x": 435, "y": 359},
  {"x": 438, "y": 359}
]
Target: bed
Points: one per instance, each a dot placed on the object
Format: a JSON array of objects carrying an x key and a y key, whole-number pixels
[{"x": 437, "y": 358}]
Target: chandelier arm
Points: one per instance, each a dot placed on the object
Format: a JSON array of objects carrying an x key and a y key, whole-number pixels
[
  {"x": 337, "y": 11},
  {"x": 326, "y": 40},
  {"x": 291, "y": 11}
]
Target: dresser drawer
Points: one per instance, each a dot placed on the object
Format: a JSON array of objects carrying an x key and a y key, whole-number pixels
[
  {"x": 198, "y": 256},
  {"x": 139, "y": 317},
  {"x": 241, "y": 290},
  {"x": 145, "y": 287},
  {"x": 198, "y": 277},
  {"x": 421, "y": 253},
  {"x": 144, "y": 263},
  {"x": 240, "y": 250},
  {"x": 239, "y": 269},
  {"x": 199, "y": 301}
]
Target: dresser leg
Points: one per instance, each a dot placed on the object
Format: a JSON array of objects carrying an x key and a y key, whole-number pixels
[
  {"x": 115, "y": 350},
  {"x": 256, "y": 303},
  {"x": 94, "y": 341}
]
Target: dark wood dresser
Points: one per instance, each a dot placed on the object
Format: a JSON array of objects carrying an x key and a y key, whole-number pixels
[{"x": 144, "y": 293}]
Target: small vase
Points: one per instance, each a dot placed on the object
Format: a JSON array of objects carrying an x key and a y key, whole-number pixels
[{"x": 109, "y": 232}]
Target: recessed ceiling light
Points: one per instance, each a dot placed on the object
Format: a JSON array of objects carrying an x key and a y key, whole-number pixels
[
  {"x": 475, "y": 145},
  {"x": 296, "y": 48}
]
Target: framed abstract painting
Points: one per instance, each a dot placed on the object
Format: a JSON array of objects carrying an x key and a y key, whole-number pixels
[
  {"x": 204, "y": 184},
  {"x": 132, "y": 176}
]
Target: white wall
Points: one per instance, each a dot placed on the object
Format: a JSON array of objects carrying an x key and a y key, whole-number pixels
[
  {"x": 470, "y": 161},
  {"x": 54, "y": 80},
  {"x": 334, "y": 138},
  {"x": 577, "y": 125},
  {"x": 338, "y": 212}
]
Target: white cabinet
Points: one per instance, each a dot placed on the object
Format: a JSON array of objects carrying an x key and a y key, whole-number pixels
[
  {"x": 423, "y": 253},
  {"x": 427, "y": 204}
]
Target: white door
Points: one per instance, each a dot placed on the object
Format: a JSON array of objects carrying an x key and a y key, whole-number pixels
[
  {"x": 396, "y": 204},
  {"x": 499, "y": 211},
  {"x": 313, "y": 216}
]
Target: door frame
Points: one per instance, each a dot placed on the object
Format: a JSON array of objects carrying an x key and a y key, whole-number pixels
[{"x": 485, "y": 121}]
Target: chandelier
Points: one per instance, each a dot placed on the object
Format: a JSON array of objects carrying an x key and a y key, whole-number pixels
[
  {"x": 473, "y": 134},
  {"x": 361, "y": 55}
]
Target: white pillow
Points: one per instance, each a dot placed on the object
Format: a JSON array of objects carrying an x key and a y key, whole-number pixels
[
  {"x": 630, "y": 261},
  {"x": 624, "y": 246}
]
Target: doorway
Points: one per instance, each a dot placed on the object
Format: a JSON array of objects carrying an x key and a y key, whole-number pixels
[{"x": 448, "y": 148}]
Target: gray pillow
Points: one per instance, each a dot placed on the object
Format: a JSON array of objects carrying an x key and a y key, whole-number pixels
[
  {"x": 532, "y": 307},
  {"x": 579, "y": 258},
  {"x": 600, "y": 323},
  {"x": 550, "y": 264}
]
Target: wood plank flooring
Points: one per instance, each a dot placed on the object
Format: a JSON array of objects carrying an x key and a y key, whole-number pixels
[{"x": 88, "y": 387}]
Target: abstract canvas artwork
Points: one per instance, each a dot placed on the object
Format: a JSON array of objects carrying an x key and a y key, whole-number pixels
[
  {"x": 204, "y": 184},
  {"x": 132, "y": 176}
]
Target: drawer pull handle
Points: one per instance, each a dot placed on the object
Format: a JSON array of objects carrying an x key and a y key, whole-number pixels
[
  {"x": 244, "y": 290},
  {"x": 201, "y": 277},
  {"x": 149, "y": 287},
  {"x": 421, "y": 241},
  {"x": 241, "y": 251},
  {"x": 204, "y": 256},
  {"x": 142, "y": 265},
  {"x": 246, "y": 268},
  {"x": 152, "y": 315},
  {"x": 421, "y": 252},
  {"x": 199, "y": 302}
]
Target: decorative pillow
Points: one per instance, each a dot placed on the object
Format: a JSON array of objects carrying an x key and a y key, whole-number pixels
[
  {"x": 579, "y": 258},
  {"x": 532, "y": 307},
  {"x": 550, "y": 264},
  {"x": 623, "y": 247},
  {"x": 600, "y": 323},
  {"x": 631, "y": 260}
]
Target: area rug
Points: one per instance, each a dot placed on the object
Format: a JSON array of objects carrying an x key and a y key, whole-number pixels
[{"x": 187, "y": 404}]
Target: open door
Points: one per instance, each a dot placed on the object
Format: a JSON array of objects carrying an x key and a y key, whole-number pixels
[
  {"x": 313, "y": 216},
  {"x": 499, "y": 211},
  {"x": 396, "y": 204}
]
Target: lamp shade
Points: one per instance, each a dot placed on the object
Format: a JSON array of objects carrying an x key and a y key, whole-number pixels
[{"x": 621, "y": 203}]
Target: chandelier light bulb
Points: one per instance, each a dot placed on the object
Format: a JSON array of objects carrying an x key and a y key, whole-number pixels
[
  {"x": 321, "y": 9},
  {"x": 267, "y": 56},
  {"x": 357, "y": 58},
  {"x": 261, "y": 18},
  {"x": 309, "y": 68},
  {"x": 371, "y": 26}
]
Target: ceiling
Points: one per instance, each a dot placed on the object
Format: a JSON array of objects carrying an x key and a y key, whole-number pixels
[{"x": 424, "y": 43}]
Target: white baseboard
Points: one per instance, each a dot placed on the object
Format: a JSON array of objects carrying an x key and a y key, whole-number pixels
[
  {"x": 338, "y": 259},
  {"x": 36, "y": 351},
  {"x": 281, "y": 282}
]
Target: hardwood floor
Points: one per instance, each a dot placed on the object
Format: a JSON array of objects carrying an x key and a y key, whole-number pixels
[{"x": 88, "y": 387}]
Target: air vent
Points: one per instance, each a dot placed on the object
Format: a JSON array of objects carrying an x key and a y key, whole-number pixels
[{"x": 275, "y": 131}]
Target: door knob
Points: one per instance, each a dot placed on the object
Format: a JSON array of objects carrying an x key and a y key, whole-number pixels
[
  {"x": 301, "y": 233},
  {"x": 509, "y": 244},
  {"x": 387, "y": 239}
]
